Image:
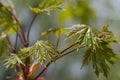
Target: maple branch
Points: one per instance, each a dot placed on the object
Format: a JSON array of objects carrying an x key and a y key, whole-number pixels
[
  {"x": 74, "y": 44},
  {"x": 57, "y": 57}
]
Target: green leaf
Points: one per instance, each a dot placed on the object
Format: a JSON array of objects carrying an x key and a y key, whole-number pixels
[
  {"x": 3, "y": 43},
  {"x": 12, "y": 61},
  {"x": 78, "y": 10},
  {"x": 6, "y": 19},
  {"x": 86, "y": 35},
  {"x": 100, "y": 56},
  {"x": 83, "y": 33},
  {"x": 99, "y": 51},
  {"x": 57, "y": 32},
  {"x": 43, "y": 51},
  {"x": 47, "y": 6},
  {"x": 64, "y": 15}
]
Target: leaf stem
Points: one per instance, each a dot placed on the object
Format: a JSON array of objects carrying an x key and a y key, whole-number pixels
[
  {"x": 15, "y": 46},
  {"x": 13, "y": 13},
  {"x": 58, "y": 40},
  {"x": 30, "y": 26},
  {"x": 21, "y": 28}
]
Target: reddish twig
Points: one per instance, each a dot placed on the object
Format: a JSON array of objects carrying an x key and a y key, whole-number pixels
[
  {"x": 74, "y": 44},
  {"x": 13, "y": 13}
]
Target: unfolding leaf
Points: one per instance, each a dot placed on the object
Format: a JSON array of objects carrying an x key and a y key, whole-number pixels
[
  {"x": 43, "y": 51},
  {"x": 57, "y": 32},
  {"x": 105, "y": 28}
]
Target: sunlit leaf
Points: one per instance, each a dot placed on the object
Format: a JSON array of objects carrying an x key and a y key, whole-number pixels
[
  {"x": 43, "y": 51},
  {"x": 83, "y": 33},
  {"x": 99, "y": 51},
  {"x": 77, "y": 9},
  {"x": 64, "y": 15},
  {"x": 47, "y": 6}
]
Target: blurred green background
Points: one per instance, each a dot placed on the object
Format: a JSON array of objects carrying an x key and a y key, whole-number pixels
[{"x": 95, "y": 13}]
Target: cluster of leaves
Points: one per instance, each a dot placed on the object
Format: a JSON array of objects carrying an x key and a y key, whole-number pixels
[
  {"x": 99, "y": 51},
  {"x": 41, "y": 51},
  {"x": 47, "y": 6}
]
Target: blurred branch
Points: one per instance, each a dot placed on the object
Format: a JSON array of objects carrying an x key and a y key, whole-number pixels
[
  {"x": 58, "y": 39},
  {"x": 25, "y": 43},
  {"x": 15, "y": 46},
  {"x": 30, "y": 26}
]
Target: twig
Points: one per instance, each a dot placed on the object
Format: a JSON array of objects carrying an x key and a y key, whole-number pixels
[
  {"x": 58, "y": 39},
  {"x": 15, "y": 46},
  {"x": 48, "y": 64},
  {"x": 9, "y": 45},
  {"x": 69, "y": 47},
  {"x": 21, "y": 28},
  {"x": 23, "y": 69},
  {"x": 13, "y": 13},
  {"x": 68, "y": 53},
  {"x": 30, "y": 26},
  {"x": 43, "y": 70}
]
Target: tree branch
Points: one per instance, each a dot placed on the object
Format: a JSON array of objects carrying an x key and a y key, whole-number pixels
[
  {"x": 30, "y": 26},
  {"x": 69, "y": 47},
  {"x": 57, "y": 57}
]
